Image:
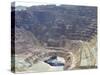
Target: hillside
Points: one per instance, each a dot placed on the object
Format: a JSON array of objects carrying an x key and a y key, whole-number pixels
[{"x": 58, "y": 22}]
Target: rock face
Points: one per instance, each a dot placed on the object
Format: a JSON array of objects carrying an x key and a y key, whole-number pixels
[
  {"x": 45, "y": 31},
  {"x": 24, "y": 41}
]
